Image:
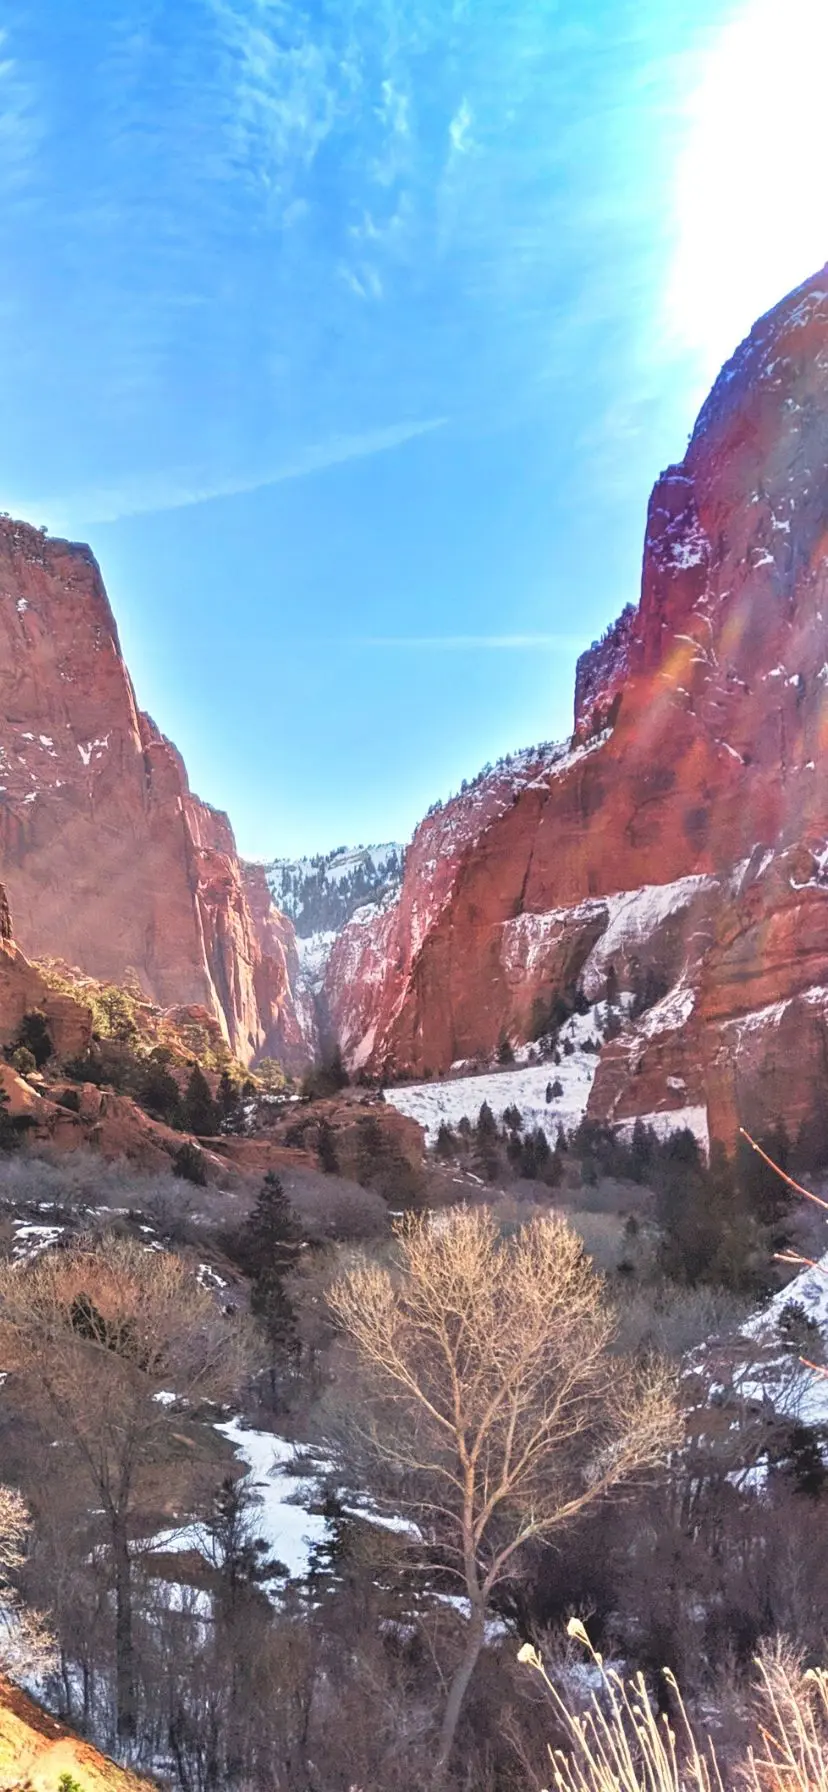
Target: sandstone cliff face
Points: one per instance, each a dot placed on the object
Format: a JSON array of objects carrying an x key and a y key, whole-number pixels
[
  {"x": 685, "y": 830},
  {"x": 109, "y": 860}
]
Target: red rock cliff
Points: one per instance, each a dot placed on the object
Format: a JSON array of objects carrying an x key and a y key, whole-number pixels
[
  {"x": 109, "y": 860},
  {"x": 685, "y": 831}
]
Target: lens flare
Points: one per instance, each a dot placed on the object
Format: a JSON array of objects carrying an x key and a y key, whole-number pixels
[{"x": 751, "y": 201}]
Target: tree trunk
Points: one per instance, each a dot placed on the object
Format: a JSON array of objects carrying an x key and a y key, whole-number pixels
[
  {"x": 124, "y": 1650},
  {"x": 457, "y": 1692}
]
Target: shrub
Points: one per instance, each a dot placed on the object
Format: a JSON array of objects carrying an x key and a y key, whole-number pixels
[
  {"x": 113, "y": 1014},
  {"x": 23, "y": 1060},
  {"x": 325, "y": 1079},
  {"x": 326, "y": 1149},
  {"x": 69, "y": 1098},
  {"x": 34, "y": 1035},
  {"x": 188, "y": 1163}
]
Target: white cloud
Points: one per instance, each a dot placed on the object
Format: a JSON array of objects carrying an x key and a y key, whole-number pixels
[
  {"x": 460, "y": 129},
  {"x": 179, "y": 490}
]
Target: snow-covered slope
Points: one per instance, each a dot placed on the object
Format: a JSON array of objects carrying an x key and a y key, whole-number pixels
[
  {"x": 322, "y": 893},
  {"x": 525, "y": 1088}
]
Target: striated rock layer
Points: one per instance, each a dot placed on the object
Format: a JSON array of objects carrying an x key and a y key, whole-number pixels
[
  {"x": 682, "y": 838},
  {"x": 110, "y": 861}
]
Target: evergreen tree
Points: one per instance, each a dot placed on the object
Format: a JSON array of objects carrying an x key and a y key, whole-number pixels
[
  {"x": 266, "y": 1247},
  {"x": 200, "y": 1112},
  {"x": 271, "y": 1236},
  {"x": 34, "y": 1034},
  {"x": 486, "y": 1124},
  {"x": 505, "y": 1051},
  {"x": 243, "y": 1559},
  {"x": 229, "y": 1103},
  {"x": 446, "y": 1143},
  {"x": 160, "y": 1093},
  {"x": 486, "y": 1138},
  {"x": 765, "y": 1193},
  {"x": 272, "y": 1306}
]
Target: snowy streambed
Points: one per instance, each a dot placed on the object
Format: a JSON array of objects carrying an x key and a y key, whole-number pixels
[
  {"x": 285, "y": 1483},
  {"x": 283, "y": 1495}
]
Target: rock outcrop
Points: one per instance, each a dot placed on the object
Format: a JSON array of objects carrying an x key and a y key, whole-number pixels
[
  {"x": 682, "y": 836},
  {"x": 110, "y": 861},
  {"x": 40, "y": 1754}
]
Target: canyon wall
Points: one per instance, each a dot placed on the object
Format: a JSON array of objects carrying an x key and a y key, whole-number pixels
[
  {"x": 109, "y": 860},
  {"x": 682, "y": 835}
]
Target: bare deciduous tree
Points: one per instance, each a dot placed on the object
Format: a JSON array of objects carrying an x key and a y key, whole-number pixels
[
  {"x": 489, "y": 1371},
  {"x": 102, "y": 1330},
  {"x": 26, "y": 1646}
]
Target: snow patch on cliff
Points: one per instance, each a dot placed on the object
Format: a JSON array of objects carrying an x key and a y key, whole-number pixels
[
  {"x": 664, "y": 1124},
  {"x": 634, "y": 916}
]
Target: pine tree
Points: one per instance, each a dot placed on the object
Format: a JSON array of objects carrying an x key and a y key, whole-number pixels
[
  {"x": 446, "y": 1143},
  {"x": 271, "y": 1236},
  {"x": 267, "y": 1247},
  {"x": 486, "y": 1124},
  {"x": 271, "y": 1304},
  {"x": 199, "y": 1109},
  {"x": 229, "y": 1102},
  {"x": 160, "y": 1093},
  {"x": 243, "y": 1558}
]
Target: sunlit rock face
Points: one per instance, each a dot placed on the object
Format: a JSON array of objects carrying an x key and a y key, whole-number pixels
[
  {"x": 109, "y": 860},
  {"x": 682, "y": 837}
]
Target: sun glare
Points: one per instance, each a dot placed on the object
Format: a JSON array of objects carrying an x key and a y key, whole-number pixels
[{"x": 751, "y": 200}]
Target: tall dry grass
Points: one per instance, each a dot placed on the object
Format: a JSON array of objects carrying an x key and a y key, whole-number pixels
[
  {"x": 793, "y": 1721},
  {"x": 621, "y": 1743}
]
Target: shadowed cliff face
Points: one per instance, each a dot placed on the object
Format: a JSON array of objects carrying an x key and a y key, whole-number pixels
[
  {"x": 699, "y": 754},
  {"x": 109, "y": 860}
]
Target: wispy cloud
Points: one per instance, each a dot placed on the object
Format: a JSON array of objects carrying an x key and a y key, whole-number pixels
[
  {"x": 460, "y": 129},
  {"x": 178, "y": 491}
]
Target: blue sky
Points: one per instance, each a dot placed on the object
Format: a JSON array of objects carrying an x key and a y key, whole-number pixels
[{"x": 353, "y": 334}]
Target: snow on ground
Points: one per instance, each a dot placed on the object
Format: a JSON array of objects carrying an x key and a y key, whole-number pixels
[
  {"x": 289, "y": 1530},
  {"x": 805, "y": 1395},
  {"x": 29, "y": 1241},
  {"x": 524, "y": 1088}
]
